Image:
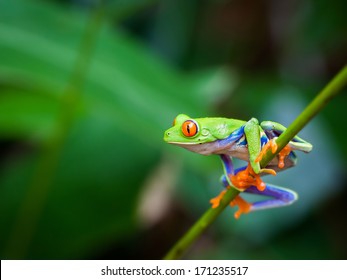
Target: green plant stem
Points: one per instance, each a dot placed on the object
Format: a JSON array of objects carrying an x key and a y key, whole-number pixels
[
  {"x": 333, "y": 88},
  {"x": 318, "y": 103}
]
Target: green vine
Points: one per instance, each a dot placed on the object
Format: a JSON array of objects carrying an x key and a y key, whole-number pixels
[{"x": 318, "y": 103}]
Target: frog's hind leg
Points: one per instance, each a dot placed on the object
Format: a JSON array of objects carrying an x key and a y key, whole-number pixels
[
  {"x": 228, "y": 169},
  {"x": 279, "y": 197}
]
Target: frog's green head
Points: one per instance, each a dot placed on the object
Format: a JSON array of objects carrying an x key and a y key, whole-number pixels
[{"x": 187, "y": 131}]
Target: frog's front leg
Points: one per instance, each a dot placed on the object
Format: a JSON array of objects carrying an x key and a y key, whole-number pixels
[
  {"x": 280, "y": 197},
  {"x": 251, "y": 175},
  {"x": 253, "y": 133}
]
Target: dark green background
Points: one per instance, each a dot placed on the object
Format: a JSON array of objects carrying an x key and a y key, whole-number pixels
[{"x": 87, "y": 89}]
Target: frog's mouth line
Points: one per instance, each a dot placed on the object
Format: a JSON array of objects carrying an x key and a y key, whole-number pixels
[{"x": 184, "y": 143}]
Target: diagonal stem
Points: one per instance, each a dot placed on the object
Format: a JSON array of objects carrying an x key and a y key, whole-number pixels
[
  {"x": 317, "y": 104},
  {"x": 333, "y": 88}
]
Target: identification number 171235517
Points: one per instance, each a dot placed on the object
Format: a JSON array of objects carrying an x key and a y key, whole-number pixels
[{"x": 221, "y": 270}]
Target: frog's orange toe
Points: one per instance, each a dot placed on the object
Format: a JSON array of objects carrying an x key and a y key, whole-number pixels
[
  {"x": 261, "y": 186},
  {"x": 246, "y": 178},
  {"x": 282, "y": 155},
  {"x": 244, "y": 206},
  {"x": 271, "y": 144},
  {"x": 216, "y": 200}
]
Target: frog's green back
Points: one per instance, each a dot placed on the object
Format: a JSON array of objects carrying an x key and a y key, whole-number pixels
[{"x": 220, "y": 128}]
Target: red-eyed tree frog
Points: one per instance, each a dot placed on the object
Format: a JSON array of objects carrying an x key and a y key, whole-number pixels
[{"x": 246, "y": 140}]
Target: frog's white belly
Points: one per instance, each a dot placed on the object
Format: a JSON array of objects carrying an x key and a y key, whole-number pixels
[{"x": 232, "y": 149}]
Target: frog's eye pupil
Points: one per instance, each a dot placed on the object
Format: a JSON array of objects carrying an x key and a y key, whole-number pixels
[{"x": 189, "y": 128}]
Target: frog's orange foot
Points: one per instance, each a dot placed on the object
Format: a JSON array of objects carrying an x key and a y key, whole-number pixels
[
  {"x": 244, "y": 206},
  {"x": 282, "y": 155},
  {"x": 246, "y": 178},
  {"x": 216, "y": 200},
  {"x": 271, "y": 144}
]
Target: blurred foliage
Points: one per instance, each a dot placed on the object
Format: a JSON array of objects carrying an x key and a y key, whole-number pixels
[{"x": 88, "y": 87}]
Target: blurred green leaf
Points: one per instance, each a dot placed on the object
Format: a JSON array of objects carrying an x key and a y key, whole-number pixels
[{"x": 21, "y": 113}]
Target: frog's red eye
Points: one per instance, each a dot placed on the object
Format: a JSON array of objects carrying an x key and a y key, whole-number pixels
[{"x": 189, "y": 128}]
